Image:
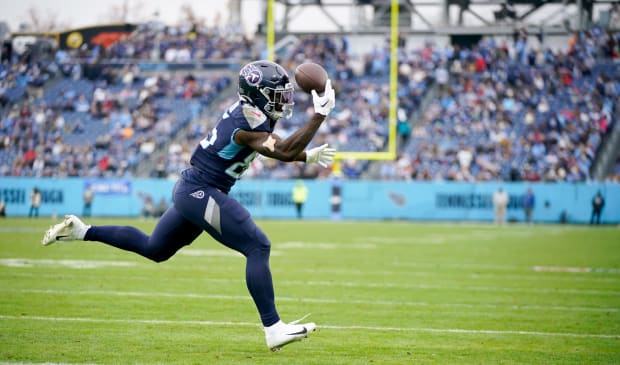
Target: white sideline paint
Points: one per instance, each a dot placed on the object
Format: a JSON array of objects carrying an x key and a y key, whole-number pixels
[
  {"x": 73, "y": 264},
  {"x": 412, "y": 275},
  {"x": 476, "y": 266},
  {"x": 19, "y": 229},
  {"x": 441, "y": 238},
  {"x": 313, "y": 300},
  {"x": 350, "y": 284},
  {"x": 571, "y": 269},
  {"x": 333, "y": 327}
]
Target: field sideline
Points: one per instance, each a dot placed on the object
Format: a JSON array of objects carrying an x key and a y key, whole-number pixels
[{"x": 380, "y": 292}]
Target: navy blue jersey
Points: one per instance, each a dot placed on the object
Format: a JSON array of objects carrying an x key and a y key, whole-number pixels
[{"x": 217, "y": 160}]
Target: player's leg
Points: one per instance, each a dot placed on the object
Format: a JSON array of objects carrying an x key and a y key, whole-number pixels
[
  {"x": 171, "y": 233},
  {"x": 231, "y": 224}
]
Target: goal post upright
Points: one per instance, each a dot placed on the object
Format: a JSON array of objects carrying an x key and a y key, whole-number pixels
[
  {"x": 390, "y": 154},
  {"x": 393, "y": 80},
  {"x": 270, "y": 32}
]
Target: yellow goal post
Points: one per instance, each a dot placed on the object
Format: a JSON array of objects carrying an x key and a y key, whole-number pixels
[{"x": 390, "y": 154}]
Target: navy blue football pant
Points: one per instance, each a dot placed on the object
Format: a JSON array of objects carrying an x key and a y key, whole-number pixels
[{"x": 200, "y": 208}]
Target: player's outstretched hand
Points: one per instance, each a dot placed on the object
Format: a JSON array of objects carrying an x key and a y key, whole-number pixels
[
  {"x": 323, "y": 155},
  {"x": 325, "y": 103}
]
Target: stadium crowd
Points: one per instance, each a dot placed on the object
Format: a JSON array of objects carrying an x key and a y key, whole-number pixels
[
  {"x": 504, "y": 110},
  {"x": 100, "y": 128},
  {"x": 155, "y": 41},
  {"x": 512, "y": 113}
]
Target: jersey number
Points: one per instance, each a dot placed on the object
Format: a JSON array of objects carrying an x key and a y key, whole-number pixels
[
  {"x": 209, "y": 140},
  {"x": 238, "y": 168}
]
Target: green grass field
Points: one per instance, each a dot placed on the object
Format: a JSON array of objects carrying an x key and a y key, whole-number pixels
[{"x": 380, "y": 292}]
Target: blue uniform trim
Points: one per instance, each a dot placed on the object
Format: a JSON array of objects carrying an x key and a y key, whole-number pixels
[{"x": 230, "y": 150}]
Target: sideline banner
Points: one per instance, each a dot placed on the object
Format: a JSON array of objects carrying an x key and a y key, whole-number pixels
[
  {"x": 272, "y": 199},
  {"x": 451, "y": 201}
]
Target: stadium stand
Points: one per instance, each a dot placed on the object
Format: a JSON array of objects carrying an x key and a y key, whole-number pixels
[
  {"x": 509, "y": 115},
  {"x": 494, "y": 111},
  {"x": 82, "y": 127}
]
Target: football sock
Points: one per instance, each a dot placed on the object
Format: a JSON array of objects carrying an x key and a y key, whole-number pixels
[{"x": 260, "y": 285}]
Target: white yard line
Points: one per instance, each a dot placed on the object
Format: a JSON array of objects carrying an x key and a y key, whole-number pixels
[
  {"x": 73, "y": 264},
  {"x": 456, "y": 288},
  {"x": 355, "y": 284},
  {"x": 316, "y": 300},
  {"x": 333, "y": 327},
  {"x": 531, "y": 269}
]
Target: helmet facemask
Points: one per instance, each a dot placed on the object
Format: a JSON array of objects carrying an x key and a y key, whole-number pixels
[{"x": 280, "y": 101}]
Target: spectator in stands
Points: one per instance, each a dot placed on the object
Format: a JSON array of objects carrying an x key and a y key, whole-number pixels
[
  {"x": 4, "y": 100},
  {"x": 614, "y": 17},
  {"x": 81, "y": 105},
  {"x": 503, "y": 93},
  {"x": 403, "y": 129}
]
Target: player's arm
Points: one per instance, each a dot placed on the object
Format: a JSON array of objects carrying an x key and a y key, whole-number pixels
[
  {"x": 272, "y": 145},
  {"x": 293, "y": 147}
]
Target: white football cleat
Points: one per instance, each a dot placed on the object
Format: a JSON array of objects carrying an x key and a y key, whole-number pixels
[
  {"x": 281, "y": 334},
  {"x": 70, "y": 229}
]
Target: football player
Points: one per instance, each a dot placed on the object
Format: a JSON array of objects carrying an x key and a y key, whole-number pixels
[{"x": 200, "y": 196}]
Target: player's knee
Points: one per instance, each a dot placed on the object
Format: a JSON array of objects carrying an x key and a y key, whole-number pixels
[
  {"x": 260, "y": 245},
  {"x": 159, "y": 258},
  {"x": 262, "y": 241}
]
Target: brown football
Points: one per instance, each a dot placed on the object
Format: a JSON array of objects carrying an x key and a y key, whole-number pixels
[{"x": 311, "y": 76}]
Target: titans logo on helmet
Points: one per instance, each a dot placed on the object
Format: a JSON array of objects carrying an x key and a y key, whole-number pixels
[{"x": 251, "y": 74}]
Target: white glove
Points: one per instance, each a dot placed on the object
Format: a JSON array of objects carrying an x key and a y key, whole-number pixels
[
  {"x": 322, "y": 155},
  {"x": 324, "y": 104}
]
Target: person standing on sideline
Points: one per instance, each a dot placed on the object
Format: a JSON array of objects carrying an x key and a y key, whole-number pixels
[
  {"x": 35, "y": 202},
  {"x": 528, "y": 205},
  {"x": 88, "y": 197},
  {"x": 598, "y": 202},
  {"x": 300, "y": 194},
  {"x": 500, "y": 204},
  {"x": 200, "y": 196}
]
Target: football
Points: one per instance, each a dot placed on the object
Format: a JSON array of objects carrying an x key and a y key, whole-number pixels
[{"x": 311, "y": 76}]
